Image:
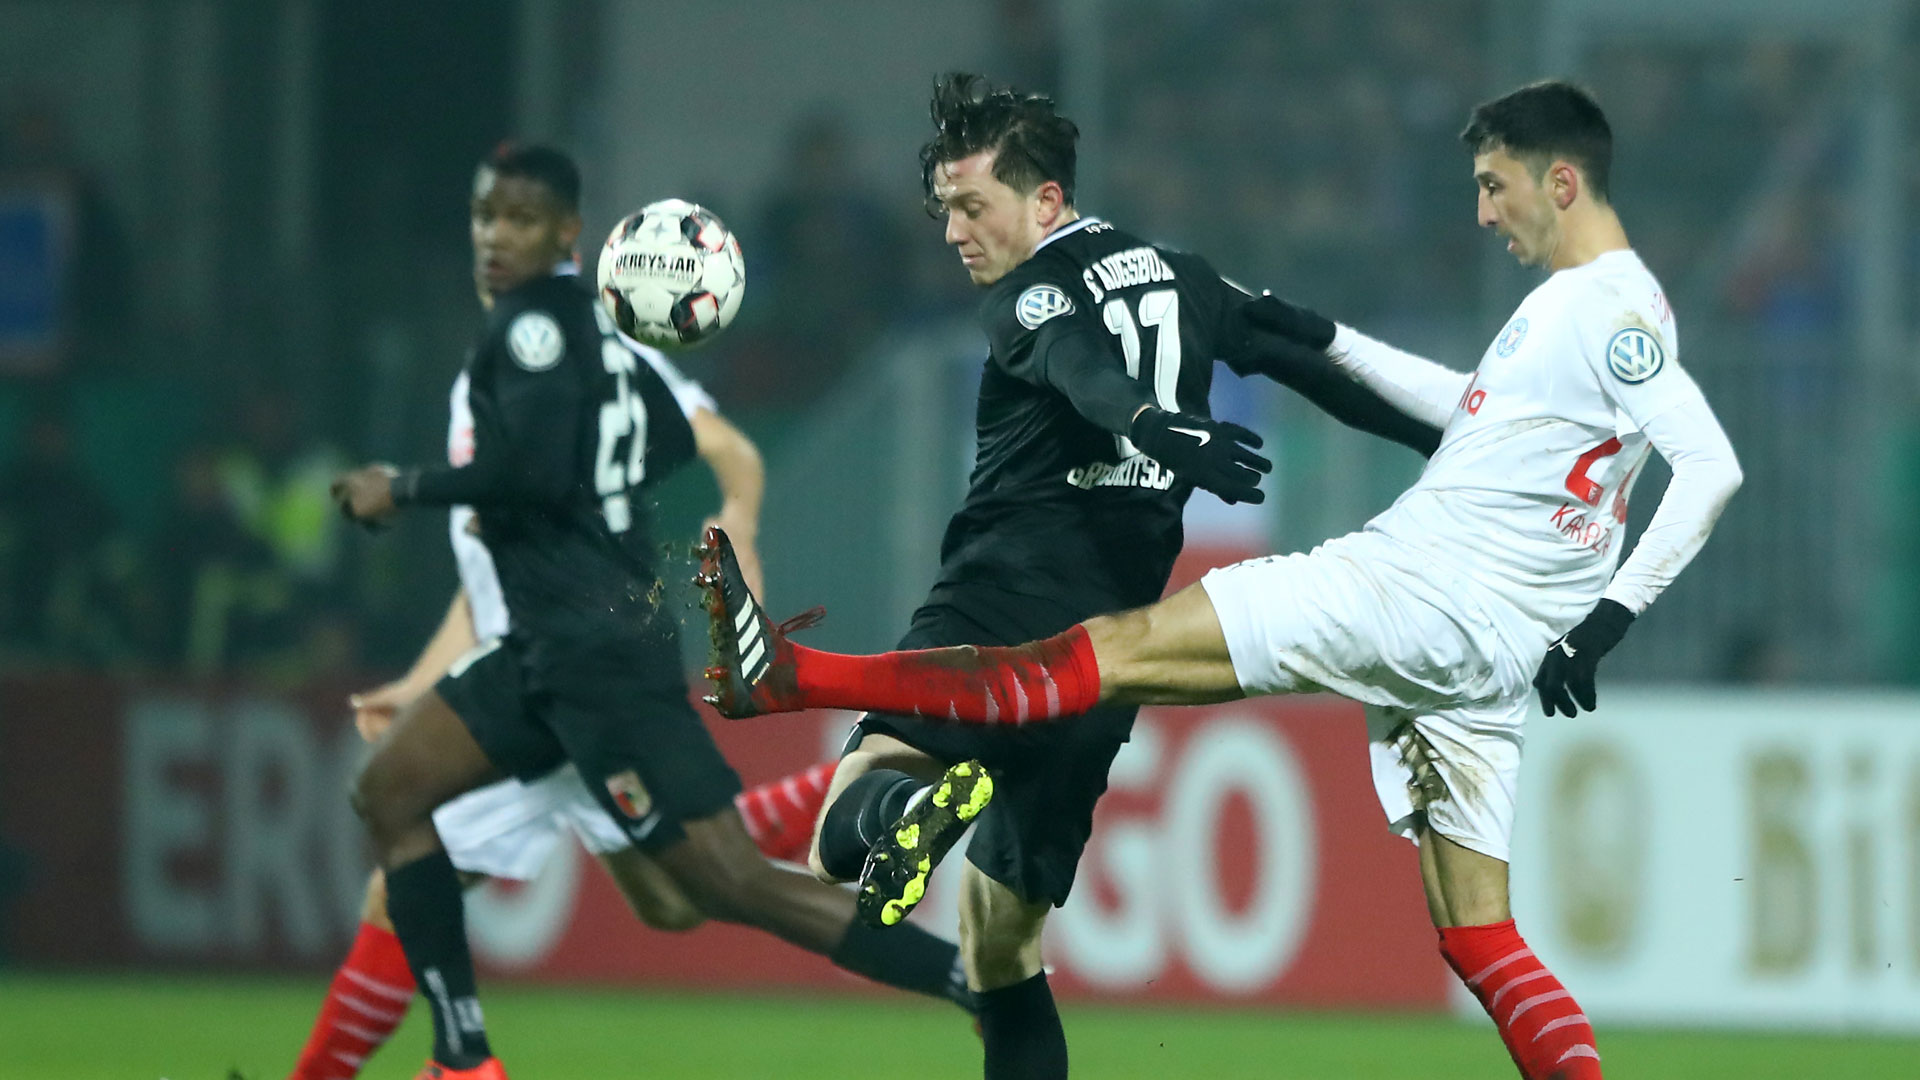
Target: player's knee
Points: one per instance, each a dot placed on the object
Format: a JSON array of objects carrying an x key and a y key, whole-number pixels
[
  {"x": 675, "y": 915},
  {"x": 998, "y": 956},
  {"x": 368, "y": 798},
  {"x": 819, "y": 868},
  {"x": 1118, "y": 641},
  {"x": 384, "y": 805}
]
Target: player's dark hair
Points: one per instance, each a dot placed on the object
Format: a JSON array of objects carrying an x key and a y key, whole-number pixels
[
  {"x": 1032, "y": 143},
  {"x": 1543, "y": 121},
  {"x": 545, "y": 164}
]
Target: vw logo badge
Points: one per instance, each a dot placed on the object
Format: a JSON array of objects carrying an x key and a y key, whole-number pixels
[{"x": 1634, "y": 356}]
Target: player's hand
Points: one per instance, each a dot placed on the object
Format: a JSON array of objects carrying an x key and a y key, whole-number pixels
[
  {"x": 740, "y": 535},
  {"x": 1302, "y": 326},
  {"x": 373, "y": 711},
  {"x": 1566, "y": 675},
  {"x": 365, "y": 495},
  {"x": 1212, "y": 454}
]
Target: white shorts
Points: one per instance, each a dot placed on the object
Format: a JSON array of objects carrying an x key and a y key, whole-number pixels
[
  {"x": 1444, "y": 666},
  {"x": 510, "y": 829}
]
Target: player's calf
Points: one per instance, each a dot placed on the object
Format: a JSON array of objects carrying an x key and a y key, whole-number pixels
[
  {"x": 755, "y": 669},
  {"x": 1541, "y": 1024}
]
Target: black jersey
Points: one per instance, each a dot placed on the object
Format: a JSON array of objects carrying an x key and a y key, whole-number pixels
[
  {"x": 1060, "y": 504},
  {"x": 571, "y": 423}
]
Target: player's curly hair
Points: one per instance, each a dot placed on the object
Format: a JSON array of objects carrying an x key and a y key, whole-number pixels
[
  {"x": 1032, "y": 143},
  {"x": 548, "y": 165},
  {"x": 1543, "y": 121}
]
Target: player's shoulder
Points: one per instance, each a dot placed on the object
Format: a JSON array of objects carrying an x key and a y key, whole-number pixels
[
  {"x": 1618, "y": 317},
  {"x": 534, "y": 325},
  {"x": 1618, "y": 292},
  {"x": 1030, "y": 295}
]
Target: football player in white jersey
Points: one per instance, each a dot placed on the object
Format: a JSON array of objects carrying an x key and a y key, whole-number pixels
[{"x": 1438, "y": 614}]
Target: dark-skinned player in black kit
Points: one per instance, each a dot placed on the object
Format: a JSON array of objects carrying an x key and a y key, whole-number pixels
[{"x": 571, "y": 427}]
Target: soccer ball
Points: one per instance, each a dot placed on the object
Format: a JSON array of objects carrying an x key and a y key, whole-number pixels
[{"x": 671, "y": 274}]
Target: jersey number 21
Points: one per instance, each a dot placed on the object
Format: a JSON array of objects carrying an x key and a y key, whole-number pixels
[{"x": 625, "y": 417}]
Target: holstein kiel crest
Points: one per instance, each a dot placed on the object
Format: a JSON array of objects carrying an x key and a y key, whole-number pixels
[
  {"x": 1040, "y": 303},
  {"x": 632, "y": 795},
  {"x": 1511, "y": 337}
]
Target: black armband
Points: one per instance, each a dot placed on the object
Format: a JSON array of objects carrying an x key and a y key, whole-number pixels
[{"x": 1313, "y": 375}]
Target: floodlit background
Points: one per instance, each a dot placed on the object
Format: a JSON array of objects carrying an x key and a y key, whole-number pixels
[{"x": 233, "y": 260}]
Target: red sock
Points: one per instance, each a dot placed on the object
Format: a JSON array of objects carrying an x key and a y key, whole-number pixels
[
  {"x": 366, "y": 1002},
  {"x": 779, "y": 815},
  {"x": 1542, "y": 1025},
  {"x": 1041, "y": 680}
]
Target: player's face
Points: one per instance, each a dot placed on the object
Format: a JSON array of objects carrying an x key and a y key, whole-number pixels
[
  {"x": 519, "y": 231},
  {"x": 1514, "y": 203},
  {"x": 994, "y": 227}
]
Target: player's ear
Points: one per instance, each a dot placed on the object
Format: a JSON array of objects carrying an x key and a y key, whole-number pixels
[
  {"x": 570, "y": 227},
  {"x": 1048, "y": 202},
  {"x": 1563, "y": 184}
]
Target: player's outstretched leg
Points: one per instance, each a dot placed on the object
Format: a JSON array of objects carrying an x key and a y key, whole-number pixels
[
  {"x": 756, "y": 669},
  {"x": 894, "y": 879}
]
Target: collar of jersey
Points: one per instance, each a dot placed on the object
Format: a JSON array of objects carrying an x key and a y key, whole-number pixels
[
  {"x": 1065, "y": 229},
  {"x": 567, "y": 268},
  {"x": 1605, "y": 260}
]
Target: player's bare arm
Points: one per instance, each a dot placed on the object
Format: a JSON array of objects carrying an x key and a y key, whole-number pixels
[
  {"x": 374, "y": 710},
  {"x": 742, "y": 478}
]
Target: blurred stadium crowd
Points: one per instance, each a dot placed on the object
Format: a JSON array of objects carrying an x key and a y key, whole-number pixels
[{"x": 1306, "y": 147}]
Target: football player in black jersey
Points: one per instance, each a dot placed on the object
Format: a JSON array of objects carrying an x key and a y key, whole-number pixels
[
  {"x": 571, "y": 425},
  {"x": 1093, "y": 429}
]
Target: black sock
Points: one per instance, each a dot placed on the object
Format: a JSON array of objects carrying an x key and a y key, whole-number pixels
[
  {"x": 423, "y": 899},
  {"x": 905, "y": 957},
  {"x": 1022, "y": 1032},
  {"x": 855, "y": 820}
]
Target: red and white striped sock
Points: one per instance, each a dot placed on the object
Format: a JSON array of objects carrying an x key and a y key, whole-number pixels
[
  {"x": 779, "y": 815},
  {"x": 985, "y": 684},
  {"x": 1543, "y": 1027},
  {"x": 366, "y": 1002}
]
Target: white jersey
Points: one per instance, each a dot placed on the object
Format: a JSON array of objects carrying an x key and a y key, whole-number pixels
[
  {"x": 478, "y": 578},
  {"x": 1528, "y": 491}
]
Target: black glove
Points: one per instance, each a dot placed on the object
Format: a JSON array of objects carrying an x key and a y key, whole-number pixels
[
  {"x": 1566, "y": 675},
  {"x": 1297, "y": 324},
  {"x": 1212, "y": 454}
]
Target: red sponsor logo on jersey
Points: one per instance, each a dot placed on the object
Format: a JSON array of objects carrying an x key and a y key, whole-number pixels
[{"x": 1473, "y": 398}]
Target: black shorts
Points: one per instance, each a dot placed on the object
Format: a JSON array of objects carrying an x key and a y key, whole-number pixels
[
  {"x": 1046, "y": 777},
  {"x": 627, "y": 726}
]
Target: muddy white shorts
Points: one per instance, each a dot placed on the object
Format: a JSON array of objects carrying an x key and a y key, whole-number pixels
[
  {"x": 1443, "y": 665},
  {"x": 510, "y": 829}
]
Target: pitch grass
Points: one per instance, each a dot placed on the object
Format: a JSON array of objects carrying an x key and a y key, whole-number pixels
[{"x": 58, "y": 1027}]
